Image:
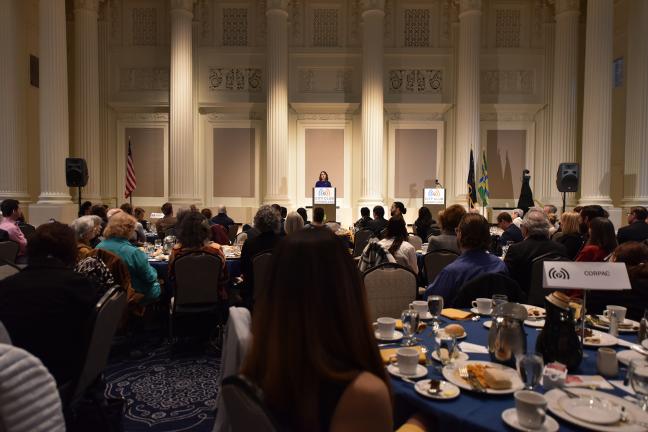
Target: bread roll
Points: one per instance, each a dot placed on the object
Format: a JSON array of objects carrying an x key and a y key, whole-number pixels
[
  {"x": 454, "y": 330},
  {"x": 496, "y": 379}
]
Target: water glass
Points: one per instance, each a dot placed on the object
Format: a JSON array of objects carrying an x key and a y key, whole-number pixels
[
  {"x": 410, "y": 319},
  {"x": 530, "y": 366},
  {"x": 638, "y": 377},
  {"x": 150, "y": 249},
  {"x": 449, "y": 343},
  {"x": 158, "y": 244},
  {"x": 435, "y": 306},
  {"x": 496, "y": 301}
]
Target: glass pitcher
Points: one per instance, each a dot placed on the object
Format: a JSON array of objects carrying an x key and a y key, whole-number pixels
[{"x": 506, "y": 337}]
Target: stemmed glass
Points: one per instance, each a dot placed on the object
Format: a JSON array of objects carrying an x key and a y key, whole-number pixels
[
  {"x": 435, "y": 306},
  {"x": 529, "y": 366},
  {"x": 410, "y": 319},
  {"x": 448, "y": 343},
  {"x": 638, "y": 377},
  {"x": 496, "y": 301}
]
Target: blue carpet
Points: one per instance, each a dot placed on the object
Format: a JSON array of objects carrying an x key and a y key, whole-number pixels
[{"x": 165, "y": 391}]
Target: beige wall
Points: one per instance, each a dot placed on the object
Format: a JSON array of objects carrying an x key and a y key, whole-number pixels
[
  {"x": 415, "y": 161},
  {"x": 324, "y": 151},
  {"x": 506, "y": 156},
  {"x": 147, "y": 145},
  {"x": 234, "y": 174}
]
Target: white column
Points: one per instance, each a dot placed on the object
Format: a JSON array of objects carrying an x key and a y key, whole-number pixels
[
  {"x": 565, "y": 87},
  {"x": 277, "y": 103},
  {"x": 182, "y": 188},
  {"x": 86, "y": 93},
  {"x": 373, "y": 180},
  {"x": 106, "y": 126},
  {"x": 53, "y": 103},
  {"x": 467, "y": 94},
  {"x": 635, "y": 188},
  {"x": 597, "y": 104},
  {"x": 13, "y": 72},
  {"x": 545, "y": 171}
]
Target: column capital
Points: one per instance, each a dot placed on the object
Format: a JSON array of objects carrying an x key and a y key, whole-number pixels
[
  {"x": 277, "y": 5},
  {"x": 182, "y": 6},
  {"x": 466, "y": 6},
  {"x": 372, "y": 5},
  {"x": 564, "y": 6},
  {"x": 89, "y": 5}
]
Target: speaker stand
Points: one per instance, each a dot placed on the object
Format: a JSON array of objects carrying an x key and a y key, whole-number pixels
[
  {"x": 80, "y": 201},
  {"x": 564, "y": 200}
]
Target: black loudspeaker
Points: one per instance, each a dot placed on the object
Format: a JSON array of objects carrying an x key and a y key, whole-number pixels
[
  {"x": 567, "y": 177},
  {"x": 76, "y": 172}
]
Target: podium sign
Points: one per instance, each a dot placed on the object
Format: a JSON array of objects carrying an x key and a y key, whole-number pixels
[
  {"x": 156, "y": 216},
  {"x": 434, "y": 196},
  {"x": 585, "y": 275},
  {"x": 323, "y": 196}
]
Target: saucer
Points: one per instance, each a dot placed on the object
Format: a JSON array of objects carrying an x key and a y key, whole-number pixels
[
  {"x": 510, "y": 418},
  {"x": 476, "y": 312},
  {"x": 459, "y": 355},
  {"x": 421, "y": 371},
  {"x": 394, "y": 337}
]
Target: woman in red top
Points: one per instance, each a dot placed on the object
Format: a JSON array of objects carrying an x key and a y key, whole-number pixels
[{"x": 602, "y": 241}]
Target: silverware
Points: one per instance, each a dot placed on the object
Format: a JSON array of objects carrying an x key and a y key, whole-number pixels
[
  {"x": 471, "y": 379},
  {"x": 626, "y": 419},
  {"x": 476, "y": 318},
  {"x": 571, "y": 394}
]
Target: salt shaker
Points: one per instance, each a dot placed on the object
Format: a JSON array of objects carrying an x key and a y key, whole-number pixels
[{"x": 614, "y": 324}]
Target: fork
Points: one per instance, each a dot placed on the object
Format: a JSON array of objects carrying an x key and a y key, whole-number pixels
[{"x": 474, "y": 383}]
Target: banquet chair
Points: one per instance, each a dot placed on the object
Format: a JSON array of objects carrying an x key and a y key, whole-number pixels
[
  {"x": 436, "y": 260},
  {"x": 232, "y": 230},
  {"x": 536, "y": 293},
  {"x": 196, "y": 286},
  {"x": 485, "y": 285},
  {"x": 29, "y": 400},
  {"x": 390, "y": 289},
  {"x": 240, "y": 238},
  {"x": 245, "y": 406},
  {"x": 27, "y": 230},
  {"x": 360, "y": 241},
  {"x": 261, "y": 264},
  {"x": 237, "y": 341},
  {"x": 9, "y": 251},
  {"x": 415, "y": 241},
  {"x": 7, "y": 270}
]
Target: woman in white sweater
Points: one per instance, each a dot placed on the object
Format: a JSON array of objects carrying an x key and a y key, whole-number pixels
[{"x": 395, "y": 242}]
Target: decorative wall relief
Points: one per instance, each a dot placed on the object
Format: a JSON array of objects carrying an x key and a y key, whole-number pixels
[
  {"x": 235, "y": 79},
  {"x": 138, "y": 79},
  {"x": 325, "y": 27},
  {"x": 260, "y": 24},
  {"x": 389, "y": 22},
  {"x": 507, "y": 28},
  {"x": 416, "y": 27},
  {"x": 144, "y": 26},
  {"x": 415, "y": 81},
  {"x": 354, "y": 22},
  {"x": 143, "y": 117},
  {"x": 203, "y": 9},
  {"x": 296, "y": 22},
  {"x": 235, "y": 26},
  {"x": 325, "y": 80},
  {"x": 519, "y": 82}
]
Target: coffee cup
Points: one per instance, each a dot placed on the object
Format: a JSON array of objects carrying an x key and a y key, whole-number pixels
[
  {"x": 407, "y": 359},
  {"x": 606, "y": 362},
  {"x": 483, "y": 305},
  {"x": 619, "y": 311},
  {"x": 419, "y": 306},
  {"x": 531, "y": 408},
  {"x": 386, "y": 327}
]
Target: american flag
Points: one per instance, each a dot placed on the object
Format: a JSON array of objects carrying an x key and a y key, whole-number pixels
[{"x": 131, "y": 180}]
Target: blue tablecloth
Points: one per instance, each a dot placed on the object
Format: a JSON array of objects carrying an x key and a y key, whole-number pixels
[{"x": 470, "y": 411}]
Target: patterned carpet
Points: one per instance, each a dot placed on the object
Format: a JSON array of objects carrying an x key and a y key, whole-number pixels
[{"x": 166, "y": 391}]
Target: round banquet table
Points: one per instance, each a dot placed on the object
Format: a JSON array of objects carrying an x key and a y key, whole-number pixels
[{"x": 471, "y": 411}]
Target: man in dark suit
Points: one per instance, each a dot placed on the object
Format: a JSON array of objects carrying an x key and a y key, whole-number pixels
[
  {"x": 221, "y": 218},
  {"x": 511, "y": 232},
  {"x": 637, "y": 228},
  {"x": 379, "y": 222},
  {"x": 535, "y": 229}
]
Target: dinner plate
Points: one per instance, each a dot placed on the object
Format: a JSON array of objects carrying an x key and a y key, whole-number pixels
[
  {"x": 451, "y": 373},
  {"x": 605, "y": 339},
  {"x": 626, "y": 356},
  {"x": 421, "y": 371},
  {"x": 476, "y": 312},
  {"x": 542, "y": 312},
  {"x": 535, "y": 323},
  {"x": 459, "y": 356},
  {"x": 510, "y": 418},
  {"x": 590, "y": 410},
  {"x": 394, "y": 337},
  {"x": 644, "y": 343},
  {"x": 447, "y": 390},
  {"x": 604, "y": 326},
  {"x": 488, "y": 324},
  {"x": 633, "y": 412}
]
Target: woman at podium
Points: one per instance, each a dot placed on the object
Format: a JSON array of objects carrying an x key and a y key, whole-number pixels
[{"x": 323, "y": 180}]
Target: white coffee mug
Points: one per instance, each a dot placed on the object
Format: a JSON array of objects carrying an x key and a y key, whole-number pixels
[
  {"x": 419, "y": 306},
  {"x": 407, "y": 359},
  {"x": 606, "y": 362},
  {"x": 620, "y": 312},
  {"x": 531, "y": 409},
  {"x": 483, "y": 305},
  {"x": 386, "y": 326}
]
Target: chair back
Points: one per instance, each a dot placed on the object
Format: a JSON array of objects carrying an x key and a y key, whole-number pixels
[
  {"x": 9, "y": 251},
  {"x": 415, "y": 241},
  {"x": 245, "y": 406},
  {"x": 4, "y": 335},
  {"x": 196, "y": 279},
  {"x": 361, "y": 239},
  {"x": 240, "y": 238},
  {"x": 7, "y": 270},
  {"x": 390, "y": 289},
  {"x": 108, "y": 313},
  {"x": 27, "y": 230},
  {"x": 436, "y": 260},
  {"x": 536, "y": 293},
  {"x": 485, "y": 285},
  {"x": 232, "y": 230},
  {"x": 261, "y": 264}
]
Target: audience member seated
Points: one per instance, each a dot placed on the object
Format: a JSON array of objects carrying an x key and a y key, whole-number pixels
[
  {"x": 139, "y": 214},
  {"x": 268, "y": 222},
  {"x": 318, "y": 218},
  {"x": 511, "y": 232},
  {"x": 397, "y": 209},
  {"x": 167, "y": 222},
  {"x": 294, "y": 223},
  {"x": 569, "y": 234},
  {"x": 425, "y": 226},
  {"x": 46, "y": 307},
  {"x": 550, "y": 209},
  {"x": 553, "y": 224},
  {"x": 637, "y": 229},
  {"x": 379, "y": 223},
  {"x": 601, "y": 241},
  {"x": 449, "y": 220},
  {"x": 365, "y": 220},
  {"x": 535, "y": 229},
  {"x": 140, "y": 235},
  {"x": 193, "y": 237},
  {"x": 207, "y": 213},
  {"x": 221, "y": 218},
  {"x": 143, "y": 277},
  {"x": 473, "y": 236},
  {"x": 518, "y": 214},
  {"x": 395, "y": 242},
  {"x": 635, "y": 257},
  {"x": 99, "y": 210},
  {"x": 304, "y": 215},
  {"x": 97, "y": 272},
  {"x": 11, "y": 212},
  {"x": 86, "y": 229},
  {"x": 219, "y": 235},
  {"x": 588, "y": 213},
  {"x": 85, "y": 208},
  {"x": 348, "y": 388}
]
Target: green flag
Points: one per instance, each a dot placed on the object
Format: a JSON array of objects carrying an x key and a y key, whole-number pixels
[{"x": 483, "y": 181}]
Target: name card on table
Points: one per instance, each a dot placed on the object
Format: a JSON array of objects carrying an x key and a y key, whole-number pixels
[
  {"x": 156, "y": 216},
  {"x": 434, "y": 196},
  {"x": 324, "y": 195},
  {"x": 585, "y": 275}
]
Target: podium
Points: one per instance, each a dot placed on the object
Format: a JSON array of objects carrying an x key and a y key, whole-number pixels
[
  {"x": 325, "y": 197},
  {"x": 435, "y": 200}
]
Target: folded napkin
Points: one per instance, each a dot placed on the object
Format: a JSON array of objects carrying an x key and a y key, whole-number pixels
[
  {"x": 388, "y": 353},
  {"x": 455, "y": 314},
  {"x": 468, "y": 347},
  {"x": 596, "y": 381}
]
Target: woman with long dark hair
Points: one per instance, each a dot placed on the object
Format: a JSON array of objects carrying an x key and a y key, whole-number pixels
[
  {"x": 323, "y": 180},
  {"x": 395, "y": 242},
  {"x": 423, "y": 226},
  {"x": 601, "y": 243},
  {"x": 313, "y": 353}
]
